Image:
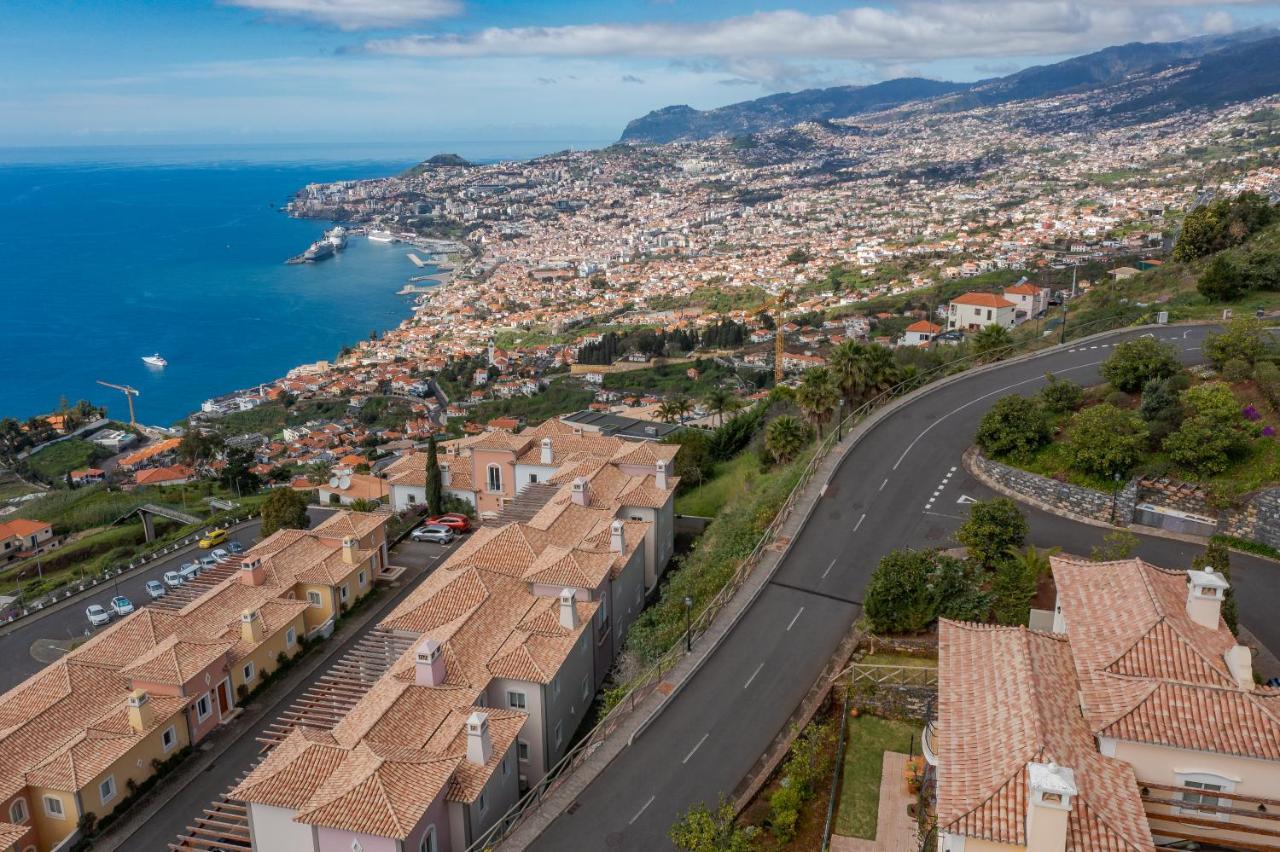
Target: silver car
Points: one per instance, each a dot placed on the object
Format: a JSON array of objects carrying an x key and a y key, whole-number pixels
[{"x": 433, "y": 532}]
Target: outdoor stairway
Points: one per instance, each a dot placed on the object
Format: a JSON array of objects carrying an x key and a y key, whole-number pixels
[
  {"x": 526, "y": 504},
  {"x": 224, "y": 825}
]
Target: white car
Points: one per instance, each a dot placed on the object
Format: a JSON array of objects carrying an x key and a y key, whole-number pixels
[
  {"x": 220, "y": 555},
  {"x": 155, "y": 588},
  {"x": 207, "y": 562},
  {"x": 189, "y": 571},
  {"x": 121, "y": 605},
  {"x": 97, "y": 615},
  {"x": 172, "y": 579}
]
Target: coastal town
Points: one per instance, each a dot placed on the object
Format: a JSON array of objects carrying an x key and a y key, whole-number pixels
[{"x": 397, "y": 597}]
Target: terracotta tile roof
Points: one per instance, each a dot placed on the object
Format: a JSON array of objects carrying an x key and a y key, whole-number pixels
[
  {"x": 348, "y": 523},
  {"x": 175, "y": 660},
  {"x": 982, "y": 300},
  {"x": 924, "y": 326},
  {"x": 21, "y": 527},
  {"x": 11, "y": 833},
  {"x": 293, "y": 771},
  {"x": 1148, "y": 672},
  {"x": 1007, "y": 697}
]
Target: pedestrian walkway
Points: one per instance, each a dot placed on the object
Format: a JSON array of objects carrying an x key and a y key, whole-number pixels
[{"x": 895, "y": 827}]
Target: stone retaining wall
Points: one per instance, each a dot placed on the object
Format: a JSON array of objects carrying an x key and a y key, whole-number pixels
[
  {"x": 1062, "y": 496},
  {"x": 1257, "y": 520}
]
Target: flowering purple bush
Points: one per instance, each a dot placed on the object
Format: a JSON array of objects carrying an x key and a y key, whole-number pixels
[
  {"x": 1268, "y": 431},
  {"x": 1251, "y": 413}
]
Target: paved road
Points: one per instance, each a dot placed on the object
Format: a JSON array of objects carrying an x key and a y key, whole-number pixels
[
  {"x": 879, "y": 499},
  {"x": 173, "y": 819},
  {"x": 18, "y": 640}
]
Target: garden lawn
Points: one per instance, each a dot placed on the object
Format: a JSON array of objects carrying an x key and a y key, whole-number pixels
[
  {"x": 869, "y": 737},
  {"x": 57, "y": 460},
  {"x": 730, "y": 477}
]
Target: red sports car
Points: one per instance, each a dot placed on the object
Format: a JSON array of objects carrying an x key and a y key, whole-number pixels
[{"x": 457, "y": 523}]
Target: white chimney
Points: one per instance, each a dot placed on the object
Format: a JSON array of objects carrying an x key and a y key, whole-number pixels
[
  {"x": 616, "y": 541},
  {"x": 1205, "y": 590},
  {"x": 580, "y": 494},
  {"x": 479, "y": 745},
  {"x": 428, "y": 664},
  {"x": 1239, "y": 660},
  {"x": 577, "y": 430},
  {"x": 446, "y": 475},
  {"x": 662, "y": 474},
  {"x": 568, "y": 610},
  {"x": 1052, "y": 788},
  {"x": 546, "y": 451}
]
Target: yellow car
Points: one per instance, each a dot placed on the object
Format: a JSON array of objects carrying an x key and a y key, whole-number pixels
[{"x": 213, "y": 538}]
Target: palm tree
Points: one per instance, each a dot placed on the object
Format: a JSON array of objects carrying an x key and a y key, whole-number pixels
[
  {"x": 1034, "y": 563},
  {"x": 675, "y": 409},
  {"x": 880, "y": 370},
  {"x": 991, "y": 341},
  {"x": 785, "y": 437},
  {"x": 683, "y": 406},
  {"x": 848, "y": 369},
  {"x": 817, "y": 396},
  {"x": 717, "y": 401}
]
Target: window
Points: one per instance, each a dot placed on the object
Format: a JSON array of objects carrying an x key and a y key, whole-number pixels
[
  {"x": 290, "y": 637},
  {"x": 169, "y": 738},
  {"x": 482, "y": 803},
  {"x": 203, "y": 708},
  {"x": 248, "y": 672},
  {"x": 344, "y": 592},
  {"x": 360, "y": 578},
  {"x": 522, "y": 751},
  {"x": 53, "y": 807},
  {"x": 603, "y": 612},
  {"x": 1200, "y": 792},
  {"x": 586, "y": 686},
  {"x": 516, "y": 700},
  {"x": 495, "y": 478},
  {"x": 18, "y": 811},
  {"x": 533, "y": 479},
  {"x": 107, "y": 789},
  {"x": 559, "y": 733},
  {"x": 428, "y": 843},
  {"x": 412, "y": 498},
  {"x": 313, "y": 598},
  {"x": 504, "y": 767}
]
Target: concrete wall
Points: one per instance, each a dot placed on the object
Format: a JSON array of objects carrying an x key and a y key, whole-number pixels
[
  {"x": 437, "y": 816},
  {"x": 274, "y": 828},
  {"x": 532, "y": 732},
  {"x": 264, "y": 656},
  {"x": 336, "y": 840},
  {"x": 1061, "y": 495},
  {"x": 500, "y": 794},
  {"x": 52, "y": 830}
]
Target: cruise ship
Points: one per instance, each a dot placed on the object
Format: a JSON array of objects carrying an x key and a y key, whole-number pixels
[
  {"x": 336, "y": 237},
  {"x": 382, "y": 237},
  {"x": 319, "y": 250}
]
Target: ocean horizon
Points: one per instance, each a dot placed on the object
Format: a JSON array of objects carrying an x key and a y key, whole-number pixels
[{"x": 111, "y": 255}]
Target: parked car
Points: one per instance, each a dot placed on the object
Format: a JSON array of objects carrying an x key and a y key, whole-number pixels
[
  {"x": 452, "y": 520},
  {"x": 97, "y": 615},
  {"x": 189, "y": 571},
  {"x": 235, "y": 547},
  {"x": 207, "y": 562},
  {"x": 220, "y": 555},
  {"x": 172, "y": 579},
  {"x": 213, "y": 538},
  {"x": 155, "y": 588},
  {"x": 121, "y": 605},
  {"x": 433, "y": 532}
]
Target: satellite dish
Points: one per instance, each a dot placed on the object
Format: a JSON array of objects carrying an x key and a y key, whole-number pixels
[
  {"x": 344, "y": 483},
  {"x": 333, "y": 482}
]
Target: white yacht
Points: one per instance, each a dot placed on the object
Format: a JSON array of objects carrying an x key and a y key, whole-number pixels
[
  {"x": 382, "y": 236},
  {"x": 154, "y": 360}
]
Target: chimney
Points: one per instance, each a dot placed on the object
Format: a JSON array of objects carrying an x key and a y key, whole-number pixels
[
  {"x": 577, "y": 430},
  {"x": 446, "y": 475},
  {"x": 546, "y": 451},
  {"x": 568, "y": 610},
  {"x": 252, "y": 573},
  {"x": 1240, "y": 663},
  {"x": 1051, "y": 790},
  {"x": 661, "y": 475},
  {"x": 1205, "y": 590},
  {"x": 428, "y": 664},
  {"x": 479, "y": 745},
  {"x": 251, "y": 630},
  {"x": 141, "y": 716},
  {"x": 616, "y": 542},
  {"x": 580, "y": 493},
  {"x": 349, "y": 554}
]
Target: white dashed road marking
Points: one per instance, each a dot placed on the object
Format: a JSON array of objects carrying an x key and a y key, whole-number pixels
[
  {"x": 794, "y": 619},
  {"x": 695, "y": 748},
  {"x": 828, "y": 571},
  {"x": 642, "y": 810},
  {"x": 855, "y": 529},
  {"x": 753, "y": 676}
]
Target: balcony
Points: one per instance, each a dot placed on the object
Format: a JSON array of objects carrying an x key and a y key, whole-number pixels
[
  {"x": 929, "y": 744},
  {"x": 1233, "y": 821}
]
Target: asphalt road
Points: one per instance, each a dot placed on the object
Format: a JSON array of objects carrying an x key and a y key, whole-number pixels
[
  {"x": 898, "y": 487},
  {"x": 24, "y": 643}
]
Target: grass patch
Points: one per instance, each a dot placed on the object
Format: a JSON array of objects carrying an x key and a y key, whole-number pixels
[
  {"x": 869, "y": 737},
  {"x": 730, "y": 478},
  {"x": 1054, "y": 461},
  {"x": 560, "y": 397},
  {"x": 57, "y": 460},
  {"x": 891, "y": 659},
  {"x": 670, "y": 378}
]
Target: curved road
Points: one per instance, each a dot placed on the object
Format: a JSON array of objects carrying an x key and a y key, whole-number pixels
[
  {"x": 879, "y": 499},
  {"x": 24, "y": 639}
]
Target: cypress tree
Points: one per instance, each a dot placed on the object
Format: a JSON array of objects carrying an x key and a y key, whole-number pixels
[{"x": 435, "y": 491}]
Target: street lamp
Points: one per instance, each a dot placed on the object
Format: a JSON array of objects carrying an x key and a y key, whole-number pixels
[
  {"x": 1115, "y": 499},
  {"x": 688, "y": 625},
  {"x": 840, "y": 421}
]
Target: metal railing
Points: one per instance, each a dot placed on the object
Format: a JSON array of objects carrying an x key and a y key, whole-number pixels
[{"x": 643, "y": 685}]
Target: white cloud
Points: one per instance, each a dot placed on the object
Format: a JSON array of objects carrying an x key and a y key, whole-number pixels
[
  {"x": 356, "y": 14},
  {"x": 914, "y": 31},
  {"x": 1218, "y": 21}
]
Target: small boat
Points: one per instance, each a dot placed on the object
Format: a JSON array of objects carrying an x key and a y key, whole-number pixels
[{"x": 154, "y": 360}]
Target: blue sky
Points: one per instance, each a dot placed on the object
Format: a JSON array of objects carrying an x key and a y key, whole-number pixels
[{"x": 89, "y": 72}]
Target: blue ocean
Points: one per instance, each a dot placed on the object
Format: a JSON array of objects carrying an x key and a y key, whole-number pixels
[{"x": 109, "y": 255}]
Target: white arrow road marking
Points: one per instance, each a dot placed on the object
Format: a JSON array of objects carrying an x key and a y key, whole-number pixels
[{"x": 965, "y": 498}]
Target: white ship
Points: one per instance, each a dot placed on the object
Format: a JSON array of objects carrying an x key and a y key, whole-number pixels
[
  {"x": 382, "y": 237},
  {"x": 154, "y": 360},
  {"x": 336, "y": 237}
]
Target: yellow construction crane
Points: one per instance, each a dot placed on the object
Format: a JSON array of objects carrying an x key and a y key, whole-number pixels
[
  {"x": 779, "y": 302},
  {"x": 129, "y": 394}
]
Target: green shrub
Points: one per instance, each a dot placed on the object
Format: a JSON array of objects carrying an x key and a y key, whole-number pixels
[
  {"x": 1135, "y": 362},
  {"x": 1161, "y": 408},
  {"x": 1060, "y": 396},
  {"x": 992, "y": 528},
  {"x": 1267, "y": 376},
  {"x": 900, "y": 596},
  {"x": 1015, "y": 427},
  {"x": 1244, "y": 339},
  {"x": 1105, "y": 440}
]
